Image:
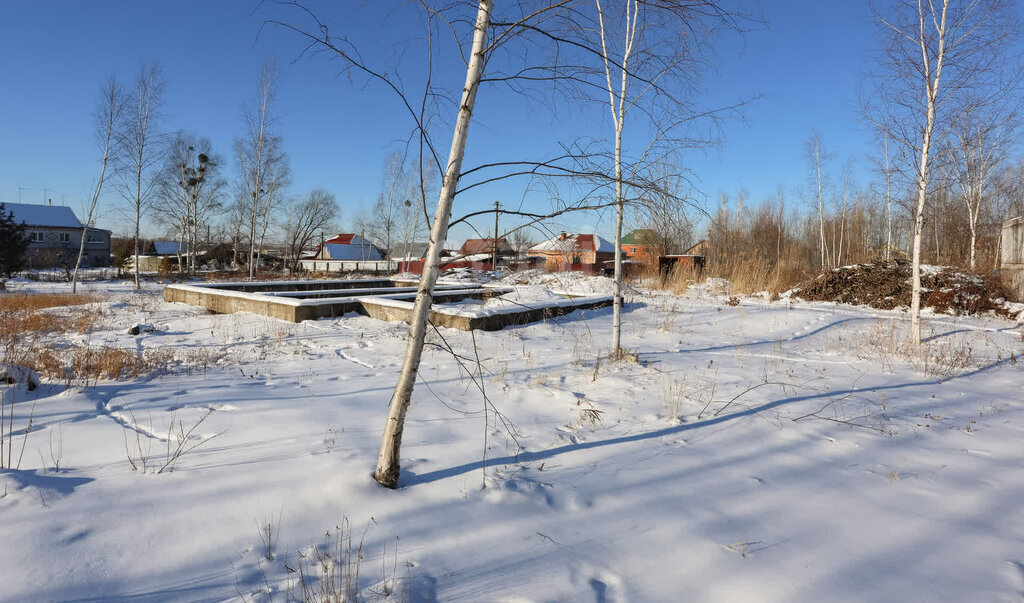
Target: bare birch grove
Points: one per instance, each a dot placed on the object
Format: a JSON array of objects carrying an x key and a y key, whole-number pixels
[{"x": 932, "y": 53}]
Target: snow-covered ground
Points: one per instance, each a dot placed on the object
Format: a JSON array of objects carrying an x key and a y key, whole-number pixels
[{"x": 780, "y": 451}]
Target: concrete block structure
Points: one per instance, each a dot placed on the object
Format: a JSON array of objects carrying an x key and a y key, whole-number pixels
[{"x": 1012, "y": 256}]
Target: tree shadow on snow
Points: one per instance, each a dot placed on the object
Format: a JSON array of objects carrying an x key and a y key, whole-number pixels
[{"x": 409, "y": 478}]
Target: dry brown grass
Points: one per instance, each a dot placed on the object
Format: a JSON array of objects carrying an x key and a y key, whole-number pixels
[
  {"x": 21, "y": 314},
  {"x": 745, "y": 275},
  {"x": 27, "y": 321},
  {"x": 31, "y": 302},
  {"x": 85, "y": 365}
]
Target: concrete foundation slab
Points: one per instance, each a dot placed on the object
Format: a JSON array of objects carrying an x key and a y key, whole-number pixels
[{"x": 384, "y": 299}]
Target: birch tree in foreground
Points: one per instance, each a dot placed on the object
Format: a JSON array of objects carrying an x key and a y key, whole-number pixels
[
  {"x": 617, "y": 101},
  {"x": 141, "y": 146},
  {"x": 932, "y": 53},
  {"x": 388, "y": 467},
  {"x": 108, "y": 115}
]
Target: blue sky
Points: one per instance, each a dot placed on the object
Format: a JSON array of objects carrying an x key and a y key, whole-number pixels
[{"x": 806, "y": 65}]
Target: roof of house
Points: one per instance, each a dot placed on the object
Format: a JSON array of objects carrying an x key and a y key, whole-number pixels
[
  {"x": 346, "y": 239},
  {"x": 473, "y": 246},
  {"x": 574, "y": 242},
  {"x": 166, "y": 247},
  {"x": 57, "y": 216},
  {"x": 640, "y": 236},
  {"x": 415, "y": 250},
  {"x": 699, "y": 249},
  {"x": 352, "y": 252}
]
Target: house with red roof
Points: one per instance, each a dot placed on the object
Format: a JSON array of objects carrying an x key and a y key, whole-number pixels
[
  {"x": 485, "y": 246},
  {"x": 349, "y": 247},
  {"x": 585, "y": 252},
  {"x": 348, "y": 253}
]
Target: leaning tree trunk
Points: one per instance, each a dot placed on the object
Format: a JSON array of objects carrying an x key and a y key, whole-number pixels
[
  {"x": 88, "y": 220},
  {"x": 388, "y": 461}
]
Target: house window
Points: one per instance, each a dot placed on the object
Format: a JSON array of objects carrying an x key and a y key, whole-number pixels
[
  {"x": 35, "y": 236},
  {"x": 65, "y": 237},
  {"x": 95, "y": 238},
  {"x": 632, "y": 249}
]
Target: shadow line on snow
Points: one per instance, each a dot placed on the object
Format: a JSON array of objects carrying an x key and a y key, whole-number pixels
[{"x": 409, "y": 478}]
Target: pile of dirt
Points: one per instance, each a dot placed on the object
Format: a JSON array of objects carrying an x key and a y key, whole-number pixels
[{"x": 886, "y": 285}]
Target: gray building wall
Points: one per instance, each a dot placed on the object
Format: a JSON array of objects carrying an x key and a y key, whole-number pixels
[{"x": 58, "y": 246}]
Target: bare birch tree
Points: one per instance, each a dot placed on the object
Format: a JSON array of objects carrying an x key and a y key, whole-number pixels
[
  {"x": 650, "y": 54},
  {"x": 980, "y": 138},
  {"x": 618, "y": 93},
  {"x": 142, "y": 148},
  {"x": 108, "y": 115},
  {"x": 397, "y": 187},
  {"x": 888, "y": 198},
  {"x": 818, "y": 158},
  {"x": 388, "y": 467},
  {"x": 932, "y": 53},
  {"x": 262, "y": 163}
]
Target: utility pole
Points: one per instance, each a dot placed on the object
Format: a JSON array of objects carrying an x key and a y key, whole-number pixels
[
  {"x": 408, "y": 235},
  {"x": 494, "y": 241},
  {"x": 20, "y": 188}
]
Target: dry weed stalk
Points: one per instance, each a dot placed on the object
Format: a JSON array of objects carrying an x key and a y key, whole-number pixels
[
  {"x": 329, "y": 572},
  {"x": 7, "y": 430}
]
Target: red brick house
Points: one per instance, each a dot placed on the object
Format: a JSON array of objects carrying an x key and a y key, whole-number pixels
[
  {"x": 640, "y": 246},
  {"x": 586, "y": 252}
]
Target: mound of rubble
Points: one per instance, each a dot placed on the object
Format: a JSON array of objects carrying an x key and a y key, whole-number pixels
[{"x": 886, "y": 285}]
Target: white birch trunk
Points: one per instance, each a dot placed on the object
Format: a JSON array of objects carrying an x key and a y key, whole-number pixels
[
  {"x": 388, "y": 467},
  {"x": 266, "y": 83},
  {"x": 111, "y": 112},
  {"x": 931, "y": 91},
  {"x": 821, "y": 205},
  {"x": 888, "y": 203},
  {"x": 617, "y": 104}
]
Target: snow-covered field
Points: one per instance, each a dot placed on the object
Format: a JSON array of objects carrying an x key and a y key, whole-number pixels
[{"x": 778, "y": 451}]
